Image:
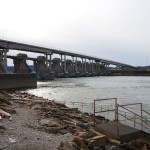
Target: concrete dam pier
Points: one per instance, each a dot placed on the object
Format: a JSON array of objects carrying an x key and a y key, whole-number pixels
[{"x": 47, "y": 68}]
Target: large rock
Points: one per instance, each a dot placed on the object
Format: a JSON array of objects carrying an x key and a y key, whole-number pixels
[
  {"x": 97, "y": 141},
  {"x": 110, "y": 147},
  {"x": 49, "y": 123},
  {"x": 64, "y": 145},
  {"x": 79, "y": 143},
  {"x": 75, "y": 115},
  {"x": 53, "y": 129},
  {"x": 81, "y": 134}
]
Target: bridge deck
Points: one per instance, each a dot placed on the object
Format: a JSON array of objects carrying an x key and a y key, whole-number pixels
[{"x": 32, "y": 48}]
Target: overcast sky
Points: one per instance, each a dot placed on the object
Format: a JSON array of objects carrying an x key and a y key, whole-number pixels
[{"x": 118, "y": 30}]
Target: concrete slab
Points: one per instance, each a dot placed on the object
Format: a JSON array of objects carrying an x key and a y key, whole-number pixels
[{"x": 118, "y": 131}]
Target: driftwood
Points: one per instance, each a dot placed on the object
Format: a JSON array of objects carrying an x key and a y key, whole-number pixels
[
  {"x": 3, "y": 99},
  {"x": 36, "y": 98},
  {"x": 32, "y": 100},
  {"x": 95, "y": 132},
  {"x": 114, "y": 141},
  {"x": 69, "y": 122},
  {"x": 5, "y": 114}
]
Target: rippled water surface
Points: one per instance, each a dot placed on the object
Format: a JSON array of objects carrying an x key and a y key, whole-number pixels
[{"x": 126, "y": 89}]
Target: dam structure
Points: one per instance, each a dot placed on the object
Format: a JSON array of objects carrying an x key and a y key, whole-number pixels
[{"x": 47, "y": 68}]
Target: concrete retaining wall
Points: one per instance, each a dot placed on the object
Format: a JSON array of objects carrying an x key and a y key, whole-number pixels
[
  {"x": 17, "y": 81},
  {"x": 130, "y": 73}
]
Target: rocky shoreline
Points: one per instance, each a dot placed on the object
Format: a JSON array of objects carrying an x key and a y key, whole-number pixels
[{"x": 31, "y": 122}]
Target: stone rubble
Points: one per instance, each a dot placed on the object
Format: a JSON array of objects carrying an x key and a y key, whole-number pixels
[{"x": 56, "y": 118}]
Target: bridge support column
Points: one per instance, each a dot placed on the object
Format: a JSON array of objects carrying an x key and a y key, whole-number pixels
[
  {"x": 42, "y": 68},
  {"x": 79, "y": 66},
  {"x": 85, "y": 65},
  {"x": 3, "y": 60},
  {"x": 2, "y": 68},
  {"x": 57, "y": 65},
  {"x": 46, "y": 56},
  {"x": 42, "y": 65},
  {"x": 69, "y": 66},
  {"x": 20, "y": 65},
  {"x": 89, "y": 66},
  {"x": 107, "y": 67},
  {"x": 82, "y": 64},
  {"x": 76, "y": 69},
  {"x": 35, "y": 65},
  {"x": 92, "y": 66},
  {"x": 103, "y": 68},
  {"x": 98, "y": 71},
  {"x": 73, "y": 65},
  {"x": 50, "y": 62},
  {"x": 65, "y": 63},
  {"x": 99, "y": 68},
  {"x": 61, "y": 61}
]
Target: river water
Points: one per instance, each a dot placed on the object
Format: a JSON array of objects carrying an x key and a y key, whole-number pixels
[{"x": 83, "y": 91}]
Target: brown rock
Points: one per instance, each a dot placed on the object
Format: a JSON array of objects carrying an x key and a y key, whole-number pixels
[
  {"x": 4, "y": 105},
  {"x": 2, "y": 128},
  {"x": 69, "y": 122},
  {"x": 1, "y": 132},
  {"x": 97, "y": 148},
  {"x": 8, "y": 109},
  {"x": 57, "y": 111},
  {"x": 4, "y": 99},
  {"x": 139, "y": 142},
  {"x": 75, "y": 115},
  {"x": 64, "y": 145},
  {"x": 49, "y": 123},
  {"x": 60, "y": 104},
  {"x": 94, "y": 132},
  {"x": 37, "y": 106},
  {"x": 90, "y": 123},
  {"x": 97, "y": 141},
  {"x": 144, "y": 148},
  {"x": 81, "y": 134},
  {"x": 53, "y": 129},
  {"x": 63, "y": 131},
  {"x": 79, "y": 143}
]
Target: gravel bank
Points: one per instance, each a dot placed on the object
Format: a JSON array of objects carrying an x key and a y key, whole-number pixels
[{"x": 19, "y": 134}]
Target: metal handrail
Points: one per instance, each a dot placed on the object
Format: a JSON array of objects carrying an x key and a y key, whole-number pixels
[
  {"x": 105, "y": 110},
  {"x": 135, "y": 122},
  {"x": 144, "y": 120},
  {"x": 144, "y": 123},
  {"x": 146, "y": 112}
]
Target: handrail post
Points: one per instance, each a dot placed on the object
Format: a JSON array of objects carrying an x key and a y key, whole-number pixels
[
  {"x": 141, "y": 117},
  {"x": 94, "y": 112},
  {"x": 134, "y": 119},
  {"x": 116, "y": 109},
  {"x": 117, "y": 112}
]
